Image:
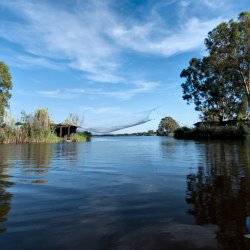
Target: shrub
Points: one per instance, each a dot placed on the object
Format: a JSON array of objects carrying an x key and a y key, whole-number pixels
[
  {"x": 80, "y": 137},
  {"x": 213, "y": 132}
]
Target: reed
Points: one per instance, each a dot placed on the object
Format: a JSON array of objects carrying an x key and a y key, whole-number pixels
[
  {"x": 80, "y": 137},
  {"x": 35, "y": 128},
  {"x": 32, "y": 129}
]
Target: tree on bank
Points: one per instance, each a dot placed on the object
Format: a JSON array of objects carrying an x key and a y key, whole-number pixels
[
  {"x": 219, "y": 84},
  {"x": 167, "y": 126},
  {"x": 213, "y": 95},
  {"x": 230, "y": 44},
  {"x": 5, "y": 87}
]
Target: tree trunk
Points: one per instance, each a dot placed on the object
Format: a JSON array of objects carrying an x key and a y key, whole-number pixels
[
  {"x": 247, "y": 86},
  {"x": 248, "y": 104},
  {"x": 221, "y": 119}
]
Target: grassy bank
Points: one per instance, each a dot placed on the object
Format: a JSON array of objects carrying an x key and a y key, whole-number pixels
[
  {"x": 10, "y": 135},
  {"x": 80, "y": 137},
  {"x": 35, "y": 128},
  {"x": 213, "y": 132}
]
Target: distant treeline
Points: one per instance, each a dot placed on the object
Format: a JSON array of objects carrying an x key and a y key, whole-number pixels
[
  {"x": 240, "y": 131},
  {"x": 149, "y": 133}
]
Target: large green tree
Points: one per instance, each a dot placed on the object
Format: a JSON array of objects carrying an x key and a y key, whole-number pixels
[
  {"x": 213, "y": 94},
  {"x": 219, "y": 84},
  {"x": 5, "y": 87},
  {"x": 229, "y": 45},
  {"x": 167, "y": 126}
]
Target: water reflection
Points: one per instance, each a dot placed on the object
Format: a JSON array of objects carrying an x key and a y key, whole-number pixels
[
  {"x": 30, "y": 164},
  {"x": 34, "y": 161},
  {"x": 35, "y": 158},
  {"x": 68, "y": 153},
  {"x": 219, "y": 192},
  {"x": 5, "y": 183}
]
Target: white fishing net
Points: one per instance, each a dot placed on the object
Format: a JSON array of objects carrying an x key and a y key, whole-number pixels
[{"x": 118, "y": 122}]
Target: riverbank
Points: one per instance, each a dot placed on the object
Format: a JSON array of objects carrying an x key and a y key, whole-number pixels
[
  {"x": 9, "y": 135},
  {"x": 39, "y": 128},
  {"x": 213, "y": 132}
]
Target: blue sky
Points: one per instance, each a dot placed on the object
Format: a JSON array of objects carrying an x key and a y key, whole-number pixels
[{"x": 106, "y": 60}]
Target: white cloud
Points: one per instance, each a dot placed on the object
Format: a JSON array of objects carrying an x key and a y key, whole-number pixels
[
  {"x": 25, "y": 61},
  {"x": 188, "y": 37},
  {"x": 126, "y": 94},
  {"x": 213, "y": 4},
  {"x": 62, "y": 93},
  {"x": 76, "y": 37},
  {"x": 102, "y": 110},
  {"x": 92, "y": 37},
  {"x": 185, "y": 3}
]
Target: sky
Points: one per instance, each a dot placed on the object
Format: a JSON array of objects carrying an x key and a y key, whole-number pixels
[{"x": 106, "y": 60}]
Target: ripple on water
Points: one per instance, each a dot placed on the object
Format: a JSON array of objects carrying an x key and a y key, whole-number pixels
[{"x": 124, "y": 193}]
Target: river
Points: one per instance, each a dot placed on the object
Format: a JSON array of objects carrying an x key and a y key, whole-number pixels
[{"x": 125, "y": 193}]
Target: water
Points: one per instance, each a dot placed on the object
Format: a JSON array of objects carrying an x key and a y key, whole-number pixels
[{"x": 125, "y": 193}]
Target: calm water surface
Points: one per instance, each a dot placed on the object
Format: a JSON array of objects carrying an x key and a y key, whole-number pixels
[{"x": 125, "y": 193}]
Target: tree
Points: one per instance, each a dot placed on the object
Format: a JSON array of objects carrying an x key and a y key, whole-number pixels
[
  {"x": 167, "y": 126},
  {"x": 229, "y": 44},
  {"x": 212, "y": 93},
  {"x": 41, "y": 119},
  {"x": 219, "y": 84},
  {"x": 5, "y": 87},
  {"x": 74, "y": 119}
]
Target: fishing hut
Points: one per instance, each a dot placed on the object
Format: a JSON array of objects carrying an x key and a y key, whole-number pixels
[{"x": 63, "y": 130}]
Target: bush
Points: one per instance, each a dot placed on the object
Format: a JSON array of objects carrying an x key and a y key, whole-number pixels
[
  {"x": 80, "y": 137},
  {"x": 33, "y": 129},
  {"x": 213, "y": 132},
  {"x": 183, "y": 133}
]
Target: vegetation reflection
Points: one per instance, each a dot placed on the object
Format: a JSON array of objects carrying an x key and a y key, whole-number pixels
[
  {"x": 220, "y": 192},
  {"x": 5, "y": 196},
  {"x": 36, "y": 160}
]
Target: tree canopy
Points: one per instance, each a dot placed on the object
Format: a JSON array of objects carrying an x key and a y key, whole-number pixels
[
  {"x": 167, "y": 126},
  {"x": 74, "y": 119},
  {"x": 219, "y": 83},
  {"x": 5, "y": 87}
]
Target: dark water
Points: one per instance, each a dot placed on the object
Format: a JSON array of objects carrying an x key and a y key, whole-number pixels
[{"x": 125, "y": 193}]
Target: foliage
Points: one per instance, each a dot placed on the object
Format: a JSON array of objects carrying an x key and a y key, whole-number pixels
[
  {"x": 219, "y": 84},
  {"x": 75, "y": 120},
  {"x": 80, "y": 137},
  {"x": 5, "y": 87},
  {"x": 229, "y": 44},
  {"x": 183, "y": 133},
  {"x": 32, "y": 129},
  {"x": 213, "y": 132},
  {"x": 167, "y": 126},
  {"x": 212, "y": 94},
  {"x": 41, "y": 120},
  {"x": 35, "y": 128}
]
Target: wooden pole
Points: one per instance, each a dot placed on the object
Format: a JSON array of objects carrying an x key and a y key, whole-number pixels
[
  {"x": 68, "y": 132},
  {"x": 60, "y": 131}
]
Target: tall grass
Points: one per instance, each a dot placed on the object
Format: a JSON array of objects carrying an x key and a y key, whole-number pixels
[
  {"x": 35, "y": 128},
  {"x": 80, "y": 137},
  {"x": 32, "y": 129}
]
